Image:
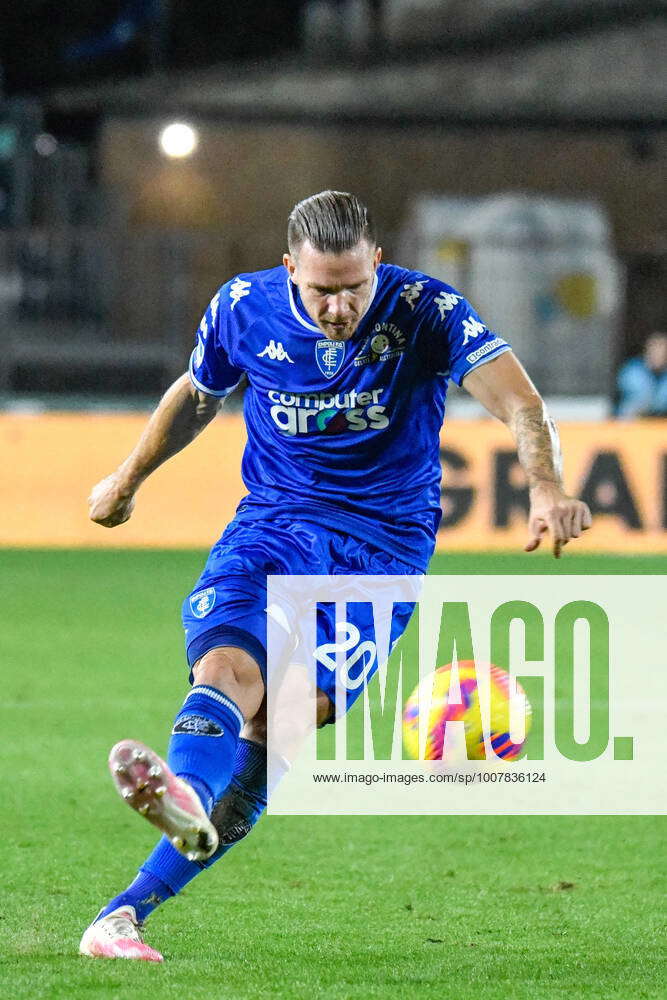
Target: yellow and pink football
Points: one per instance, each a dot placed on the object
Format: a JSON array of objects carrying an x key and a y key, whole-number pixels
[{"x": 433, "y": 692}]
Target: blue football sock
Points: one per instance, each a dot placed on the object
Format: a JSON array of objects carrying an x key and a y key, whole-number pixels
[
  {"x": 203, "y": 743},
  {"x": 144, "y": 894}
]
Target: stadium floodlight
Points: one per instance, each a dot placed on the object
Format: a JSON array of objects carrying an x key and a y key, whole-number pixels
[{"x": 178, "y": 140}]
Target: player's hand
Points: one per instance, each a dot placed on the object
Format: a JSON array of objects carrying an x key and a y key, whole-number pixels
[
  {"x": 110, "y": 502},
  {"x": 551, "y": 511}
]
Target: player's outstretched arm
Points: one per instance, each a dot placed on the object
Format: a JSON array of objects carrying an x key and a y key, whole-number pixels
[
  {"x": 504, "y": 388},
  {"x": 181, "y": 414}
]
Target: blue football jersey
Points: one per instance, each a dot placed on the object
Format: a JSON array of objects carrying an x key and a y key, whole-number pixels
[{"x": 344, "y": 434}]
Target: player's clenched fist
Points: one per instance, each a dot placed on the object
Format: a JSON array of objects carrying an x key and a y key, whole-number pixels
[{"x": 110, "y": 503}]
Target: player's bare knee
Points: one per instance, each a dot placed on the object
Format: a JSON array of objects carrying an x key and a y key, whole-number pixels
[{"x": 235, "y": 673}]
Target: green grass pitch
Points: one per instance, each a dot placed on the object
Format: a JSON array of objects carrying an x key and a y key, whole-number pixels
[{"x": 423, "y": 907}]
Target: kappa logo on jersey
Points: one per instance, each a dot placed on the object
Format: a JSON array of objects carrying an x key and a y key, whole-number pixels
[
  {"x": 275, "y": 352},
  {"x": 412, "y": 292},
  {"x": 238, "y": 289},
  {"x": 472, "y": 328},
  {"x": 329, "y": 355},
  {"x": 201, "y": 603},
  {"x": 200, "y": 347},
  {"x": 348, "y": 641},
  {"x": 446, "y": 301},
  {"x": 386, "y": 342},
  {"x": 302, "y": 413},
  {"x": 215, "y": 302},
  {"x": 203, "y": 330}
]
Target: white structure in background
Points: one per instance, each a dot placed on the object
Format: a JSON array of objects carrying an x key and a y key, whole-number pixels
[{"x": 541, "y": 271}]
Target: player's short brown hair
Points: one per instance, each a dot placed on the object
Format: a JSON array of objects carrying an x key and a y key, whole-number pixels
[{"x": 332, "y": 221}]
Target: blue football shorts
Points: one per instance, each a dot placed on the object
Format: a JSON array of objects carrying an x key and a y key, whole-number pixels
[{"x": 227, "y": 606}]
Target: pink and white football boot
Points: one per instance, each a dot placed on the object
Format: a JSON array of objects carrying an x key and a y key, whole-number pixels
[
  {"x": 118, "y": 935},
  {"x": 168, "y": 802}
]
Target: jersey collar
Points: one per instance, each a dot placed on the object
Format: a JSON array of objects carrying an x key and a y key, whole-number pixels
[{"x": 296, "y": 312}]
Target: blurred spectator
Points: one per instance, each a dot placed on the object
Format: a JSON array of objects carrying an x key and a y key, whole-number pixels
[{"x": 642, "y": 381}]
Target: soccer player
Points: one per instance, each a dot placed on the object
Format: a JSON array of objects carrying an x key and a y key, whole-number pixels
[{"x": 346, "y": 362}]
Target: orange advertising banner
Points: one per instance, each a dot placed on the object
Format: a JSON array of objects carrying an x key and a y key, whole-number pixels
[
  {"x": 619, "y": 469},
  {"x": 50, "y": 461}
]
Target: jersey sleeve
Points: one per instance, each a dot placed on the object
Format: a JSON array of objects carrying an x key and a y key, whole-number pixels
[
  {"x": 456, "y": 338},
  {"x": 211, "y": 368}
]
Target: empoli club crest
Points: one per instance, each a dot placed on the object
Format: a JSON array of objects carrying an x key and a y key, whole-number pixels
[
  {"x": 330, "y": 355},
  {"x": 202, "y": 602}
]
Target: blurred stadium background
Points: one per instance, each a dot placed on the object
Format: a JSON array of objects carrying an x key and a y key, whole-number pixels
[{"x": 514, "y": 147}]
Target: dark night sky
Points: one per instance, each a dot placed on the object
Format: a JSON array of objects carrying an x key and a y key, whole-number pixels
[{"x": 36, "y": 35}]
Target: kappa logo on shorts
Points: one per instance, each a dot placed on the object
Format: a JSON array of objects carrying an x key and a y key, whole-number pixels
[
  {"x": 330, "y": 355},
  {"x": 202, "y": 602},
  {"x": 197, "y": 725}
]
